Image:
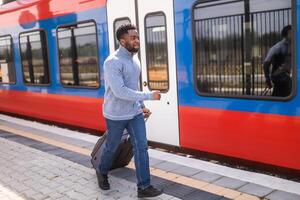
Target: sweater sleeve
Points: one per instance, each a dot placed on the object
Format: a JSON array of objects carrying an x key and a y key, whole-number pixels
[{"x": 114, "y": 78}]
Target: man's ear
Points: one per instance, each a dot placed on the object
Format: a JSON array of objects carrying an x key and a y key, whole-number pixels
[{"x": 122, "y": 41}]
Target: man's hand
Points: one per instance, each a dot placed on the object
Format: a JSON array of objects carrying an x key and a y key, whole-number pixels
[
  {"x": 156, "y": 95},
  {"x": 269, "y": 84},
  {"x": 146, "y": 112}
]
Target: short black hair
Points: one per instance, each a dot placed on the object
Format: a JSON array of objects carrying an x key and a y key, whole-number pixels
[
  {"x": 123, "y": 29},
  {"x": 285, "y": 30}
]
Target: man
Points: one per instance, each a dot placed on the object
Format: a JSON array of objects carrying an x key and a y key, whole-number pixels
[
  {"x": 123, "y": 108},
  {"x": 280, "y": 57}
]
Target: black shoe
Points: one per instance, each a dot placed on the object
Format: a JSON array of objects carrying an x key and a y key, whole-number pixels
[
  {"x": 149, "y": 192},
  {"x": 103, "y": 181}
]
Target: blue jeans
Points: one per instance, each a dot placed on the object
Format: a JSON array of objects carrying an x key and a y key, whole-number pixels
[{"x": 137, "y": 131}]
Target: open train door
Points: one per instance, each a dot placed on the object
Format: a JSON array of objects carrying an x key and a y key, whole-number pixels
[{"x": 156, "y": 27}]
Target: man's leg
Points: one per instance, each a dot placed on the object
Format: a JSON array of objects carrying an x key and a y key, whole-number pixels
[
  {"x": 282, "y": 89},
  {"x": 276, "y": 90},
  {"x": 287, "y": 88},
  {"x": 137, "y": 130},
  {"x": 115, "y": 131}
]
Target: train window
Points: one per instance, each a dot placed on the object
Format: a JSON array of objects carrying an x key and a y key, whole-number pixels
[
  {"x": 157, "y": 52},
  {"x": 118, "y": 22},
  {"x": 7, "y": 69},
  {"x": 78, "y": 55},
  {"x": 34, "y": 57},
  {"x": 243, "y": 48}
]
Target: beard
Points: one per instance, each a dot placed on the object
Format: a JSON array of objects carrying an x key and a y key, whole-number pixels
[{"x": 131, "y": 49}]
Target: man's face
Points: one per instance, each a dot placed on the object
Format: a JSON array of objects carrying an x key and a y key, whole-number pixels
[{"x": 131, "y": 41}]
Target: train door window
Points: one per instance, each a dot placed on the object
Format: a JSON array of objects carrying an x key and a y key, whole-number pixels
[
  {"x": 243, "y": 48},
  {"x": 157, "y": 52},
  {"x": 118, "y": 22},
  {"x": 7, "y": 69},
  {"x": 34, "y": 57},
  {"x": 78, "y": 55}
]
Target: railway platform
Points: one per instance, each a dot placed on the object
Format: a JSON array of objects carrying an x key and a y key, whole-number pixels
[{"x": 39, "y": 161}]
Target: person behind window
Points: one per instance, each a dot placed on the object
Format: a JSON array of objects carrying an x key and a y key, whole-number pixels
[{"x": 279, "y": 56}]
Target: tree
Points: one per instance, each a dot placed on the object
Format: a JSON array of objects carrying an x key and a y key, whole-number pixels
[{"x": 7, "y": 1}]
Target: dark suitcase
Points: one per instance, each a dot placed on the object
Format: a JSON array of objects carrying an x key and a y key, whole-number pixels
[{"x": 122, "y": 156}]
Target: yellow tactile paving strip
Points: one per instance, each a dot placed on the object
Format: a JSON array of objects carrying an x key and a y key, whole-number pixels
[
  {"x": 46, "y": 140},
  {"x": 201, "y": 185}
]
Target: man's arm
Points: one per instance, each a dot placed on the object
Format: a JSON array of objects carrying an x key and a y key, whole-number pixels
[{"x": 267, "y": 65}]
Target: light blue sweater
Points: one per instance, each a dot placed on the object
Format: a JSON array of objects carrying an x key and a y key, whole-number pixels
[{"x": 122, "y": 98}]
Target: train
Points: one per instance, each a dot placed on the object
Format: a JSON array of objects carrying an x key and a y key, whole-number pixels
[{"x": 205, "y": 56}]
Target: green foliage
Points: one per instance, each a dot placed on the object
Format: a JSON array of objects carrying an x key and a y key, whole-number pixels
[{"x": 7, "y": 1}]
